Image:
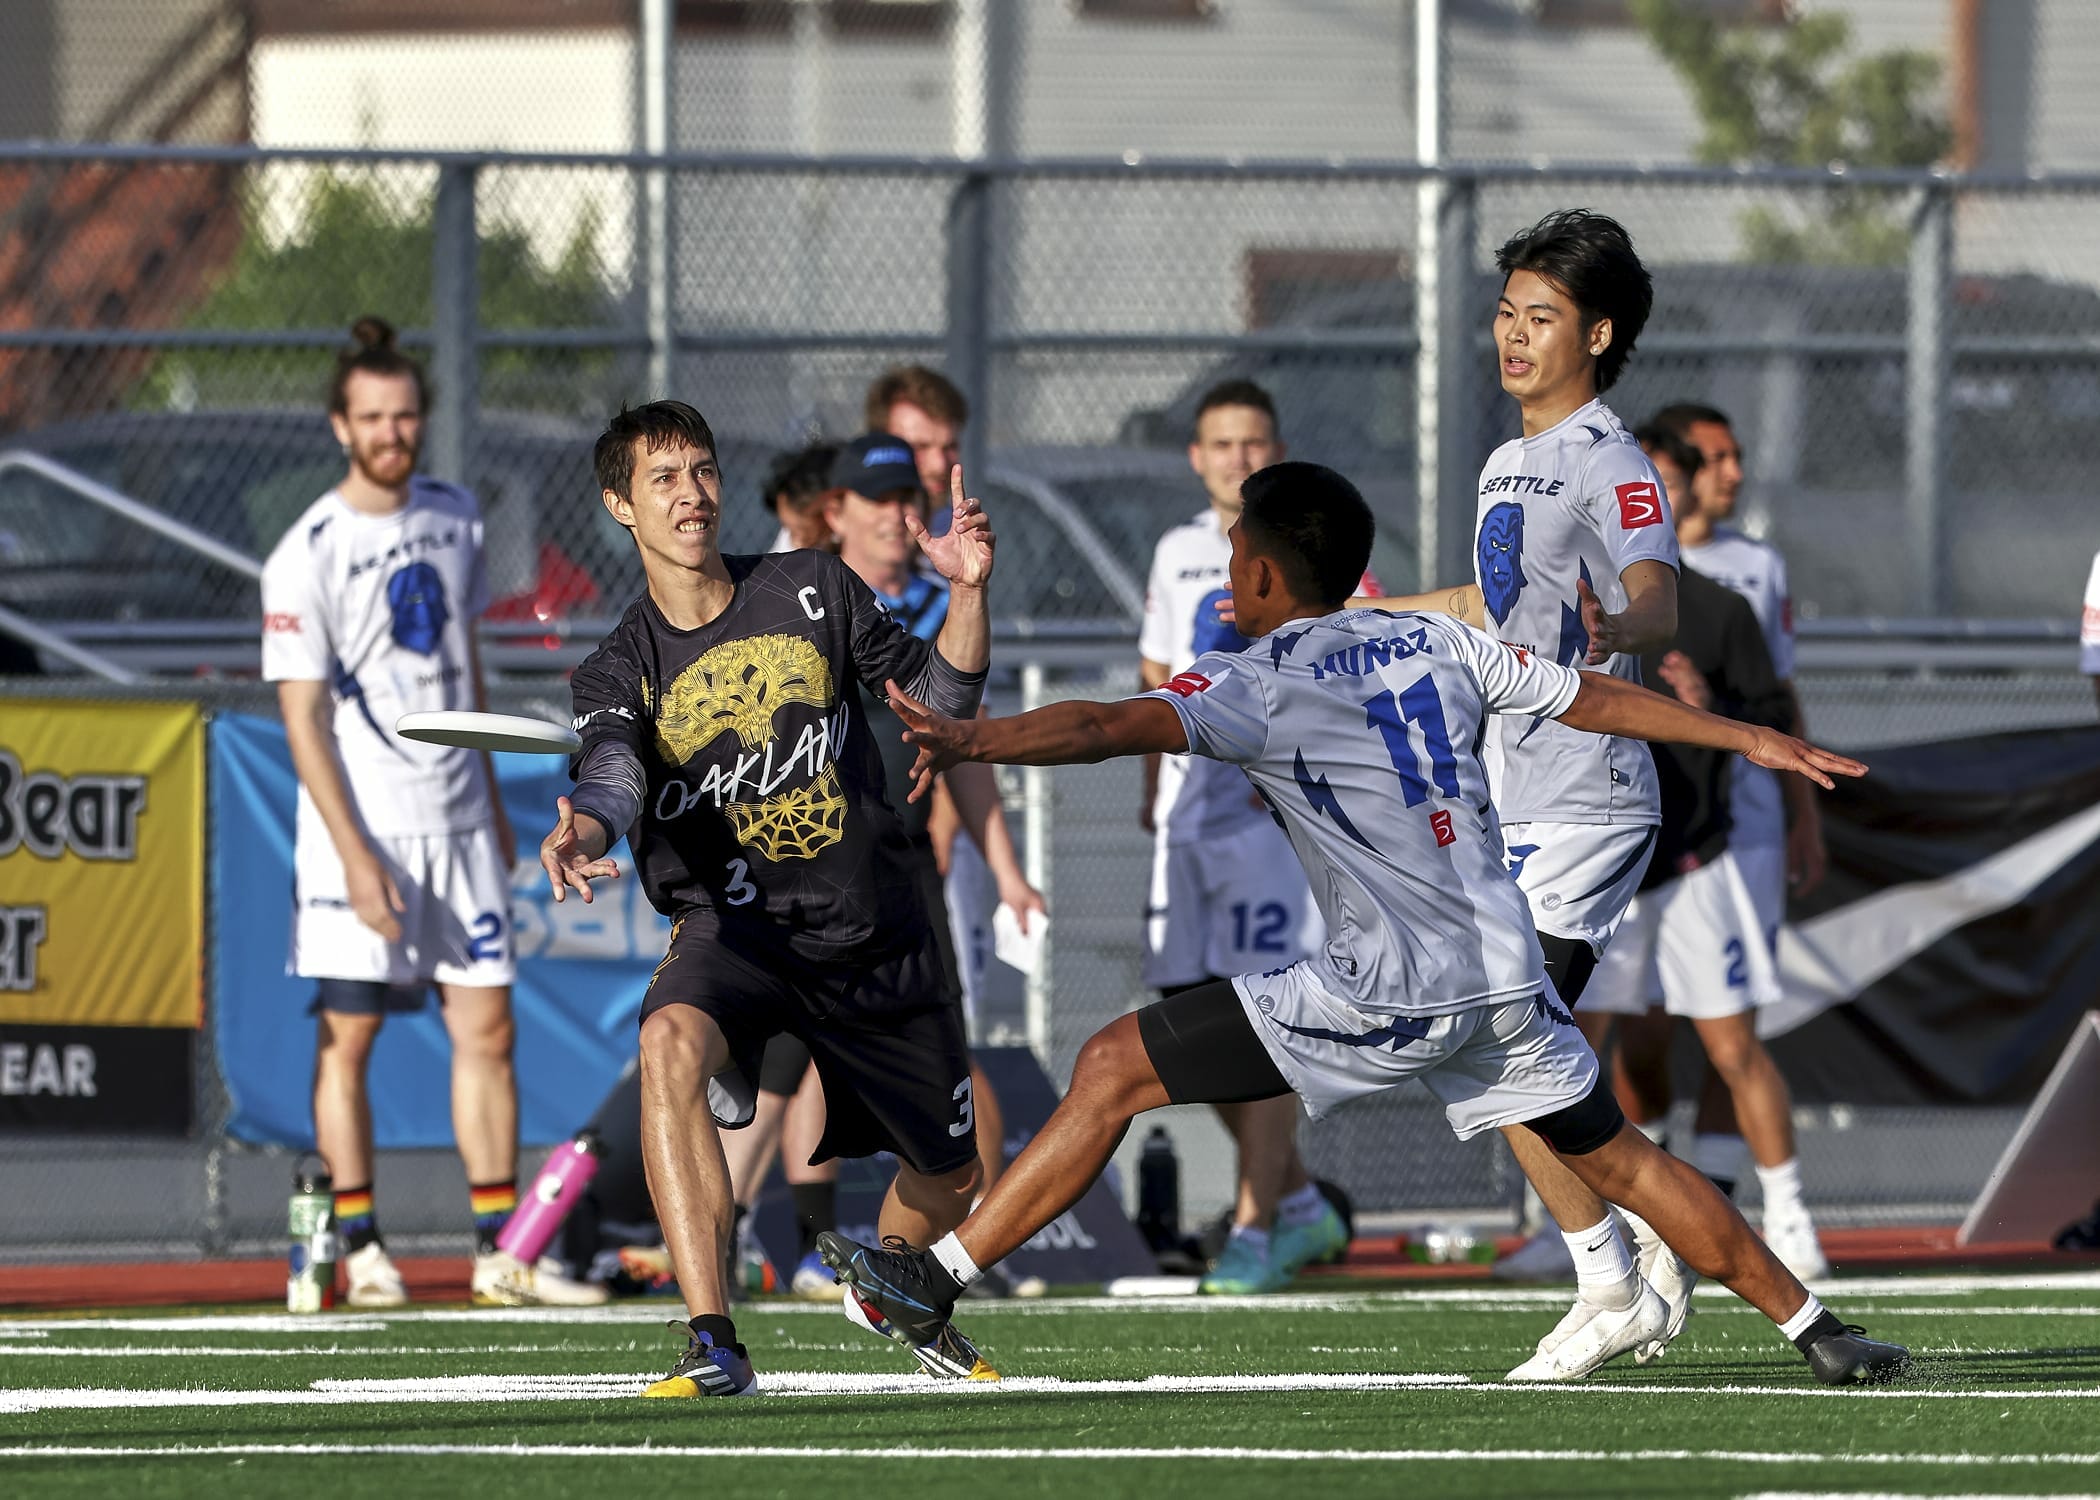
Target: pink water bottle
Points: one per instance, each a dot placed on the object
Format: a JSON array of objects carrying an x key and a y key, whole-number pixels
[{"x": 553, "y": 1193}]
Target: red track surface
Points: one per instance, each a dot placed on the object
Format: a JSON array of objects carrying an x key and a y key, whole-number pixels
[{"x": 444, "y": 1279}]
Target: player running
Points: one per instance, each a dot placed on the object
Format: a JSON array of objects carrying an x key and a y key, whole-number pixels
[
  {"x": 1576, "y": 562},
  {"x": 1225, "y": 893},
  {"x": 1361, "y": 728},
  {"x": 722, "y": 733}
]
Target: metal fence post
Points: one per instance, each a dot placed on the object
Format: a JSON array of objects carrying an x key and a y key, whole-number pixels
[
  {"x": 969, "y": 306},
  {"x": 455, "y": 323},
  {"x": 1458, "y": 352},
  {"x": 1925, "y": 371}
]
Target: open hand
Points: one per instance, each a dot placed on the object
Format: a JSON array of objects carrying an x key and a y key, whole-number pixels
[
  {"x": 569, "y": 865},
  {"x": 373, "y": 896},
  {"x": 1687, "y": 681},
  {"x": 1607, "y": 639},
  {"x": 964, "y": 555},
  {"x": 941, "y": 741},
  {"x": 1782, "y": 752}
]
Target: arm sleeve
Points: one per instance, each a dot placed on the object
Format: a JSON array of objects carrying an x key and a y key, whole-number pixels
[
  {"x": 1156, "y": 634},
  {"x": 1779, "y": 621},
  {"x": 606, "y": 693},
  {"x": 295, "y": 643},
  {"x": 2089, "y": 627},
  {"x": 1223, "y": 708},
  {"x": 1624, "y": 497},
  {"x": 883, "y": 650},
  {"x": 1512, "y": 680},
  {"x": 1749, "y": 685}
]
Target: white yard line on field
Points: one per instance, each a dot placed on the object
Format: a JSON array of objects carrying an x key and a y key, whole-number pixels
[{"x": 916, "y": 1454}]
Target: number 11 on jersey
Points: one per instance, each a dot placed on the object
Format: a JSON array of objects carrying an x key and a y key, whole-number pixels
[{"x": 1417, "y": 704}]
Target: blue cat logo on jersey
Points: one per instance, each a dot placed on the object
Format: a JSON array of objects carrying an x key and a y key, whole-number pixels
[
  {"x": 1212, "y": 633},
  {"x": 416, "y": 595},
  {"x": 1500, "y": 555}
]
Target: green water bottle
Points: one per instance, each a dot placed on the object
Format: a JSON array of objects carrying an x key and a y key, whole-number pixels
[{"x": 311, "y": 1224}]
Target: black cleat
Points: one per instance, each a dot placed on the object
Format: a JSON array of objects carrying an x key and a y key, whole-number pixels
[
  {"x": 1849, "y": 1357},
  {"x": 905, "y": 1295}
]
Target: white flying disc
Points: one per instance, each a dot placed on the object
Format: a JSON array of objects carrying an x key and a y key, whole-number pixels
[{"x": 477, "y": 731}]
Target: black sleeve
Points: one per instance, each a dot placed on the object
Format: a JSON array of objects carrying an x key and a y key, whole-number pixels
[
  {"x": 605, "y": 695},
  {"x": 881, "y": 648},
  {"x": 1747, "y": 679}
]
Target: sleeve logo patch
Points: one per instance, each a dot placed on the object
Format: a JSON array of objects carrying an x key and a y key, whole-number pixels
[
  {"x": 1639, "y": 504},
  {"x": 277, "y": 623},
  {"x": 1440, "y": 825},
  {"x": 1186, "y": 684}
]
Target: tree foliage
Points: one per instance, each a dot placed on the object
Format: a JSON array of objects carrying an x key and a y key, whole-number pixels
[
  {"x": 353, "y": 253},
  {"x": 1795, "y": 95}
]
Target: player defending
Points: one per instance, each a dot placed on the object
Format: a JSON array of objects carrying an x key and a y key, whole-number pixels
[
  {"x": 1361, "y": 728},
  {"x": 1226, "y": 896},
  {"x": 1575, "y": 562},
  {"x": 722, "y": 733},
  {"x": 403, "y": 854}
]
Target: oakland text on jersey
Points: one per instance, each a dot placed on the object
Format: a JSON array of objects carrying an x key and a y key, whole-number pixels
[{"x": 816, "y": 747}]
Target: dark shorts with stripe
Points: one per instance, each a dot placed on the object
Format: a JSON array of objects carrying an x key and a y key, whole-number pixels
[{"x": 886, "y": 1035}]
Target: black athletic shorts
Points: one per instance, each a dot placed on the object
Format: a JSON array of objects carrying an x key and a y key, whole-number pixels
[{"x": 886, "y": 1035}]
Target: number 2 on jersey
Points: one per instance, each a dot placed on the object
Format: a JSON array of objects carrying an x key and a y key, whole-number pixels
[{"x": 1418, "y": 705}]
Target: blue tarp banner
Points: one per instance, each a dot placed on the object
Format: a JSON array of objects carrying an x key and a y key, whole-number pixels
[{"x": 581, "y": 968}]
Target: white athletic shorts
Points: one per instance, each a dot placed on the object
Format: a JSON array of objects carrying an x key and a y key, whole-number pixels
[
  {"x": 1692, "y": 946},
  {"x": 1233, "y": 905},
  {"x": 456, "y": 928},
  {"x": 1578, "y": 877},
  {"x": 1763, "y": 868},
  {"x": 1498, "y": 1064}
]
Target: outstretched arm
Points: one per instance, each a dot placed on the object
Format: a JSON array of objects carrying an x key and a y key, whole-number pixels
[
  {"x": 1061, "y": 734},
  {"x": 1605, "y": 705},
  {"x": 1461, "y": 603}
]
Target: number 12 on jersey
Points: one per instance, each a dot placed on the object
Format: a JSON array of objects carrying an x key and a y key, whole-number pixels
[{"x": 1418, "y": 705}]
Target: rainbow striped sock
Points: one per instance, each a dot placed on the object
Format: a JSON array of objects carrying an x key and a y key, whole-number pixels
[
  {"x": 493, "y": 1203},
  {"x": 355, "y": 1222}
]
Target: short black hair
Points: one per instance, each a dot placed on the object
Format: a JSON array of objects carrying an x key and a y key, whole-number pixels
[
  {"x": 797, "y": 474},
  {"x": 1679, "y": 416},
  {"x": 1236, "y": 392},
  {"x": 1671, "y": 444},
  {"x": 657, "y": 425},
  {"x": 1313, "y": 524},
  {"x": 1592, "y": 259}
]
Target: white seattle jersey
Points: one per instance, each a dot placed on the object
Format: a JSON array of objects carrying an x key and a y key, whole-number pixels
[
  {"x": 2089, "y": 624},
  {"x": 1578, "y": 501},
  {"x": 1362, "y": 730},
  {"x": 1198, "y": 800},
  {"x": 1757, "y": 572},
  {"x": 379, "y": 607}
]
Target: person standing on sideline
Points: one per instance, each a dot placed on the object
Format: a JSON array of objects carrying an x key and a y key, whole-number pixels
[
  {"x": 1777, "y": 837},
  {"x": 1226, "y": 896},
  {"x": 403, "y": 854},
  {"x": 2089, "y": 629}
]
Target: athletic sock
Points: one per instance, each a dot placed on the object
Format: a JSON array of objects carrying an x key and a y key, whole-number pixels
[
  {"x": 1306, "y": 1206},
  {"x": 1719, "y": 1158},
  {"x": 1642, "y": 1231},
  {"x": 355, "y": 1223},
  {"x": 816, "y": 1210},
  {"x": 1604, "y": 1272},
  {"x": 1814, "y": 1321},
  {"x": 949, "y": 1255},
  {"x": 720, "y": 1330},
  {"x": 1782, "y": 1185},
  {"x": 493, "y": 1204},
  {"x": 1256, "y": 1240}
]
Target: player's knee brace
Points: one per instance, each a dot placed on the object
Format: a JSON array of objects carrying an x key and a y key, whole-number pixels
[{"x": 1580, "y": 1128}]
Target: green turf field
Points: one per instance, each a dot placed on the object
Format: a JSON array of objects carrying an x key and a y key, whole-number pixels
[{"x": 1383, "y": 1393}]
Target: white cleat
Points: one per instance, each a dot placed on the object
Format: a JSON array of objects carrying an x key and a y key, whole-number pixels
[
  {"x": 1793, "y": 1239},
  {"x": 1604, "y": 1335},
  {"x": 501, "y": 1280},
  {"x": 1543, "y": 1257},
  {"x": 1571, "y": 1323},
  {"x": 1664, "y": 1269},
  {"x": 375, "y": 1281}
]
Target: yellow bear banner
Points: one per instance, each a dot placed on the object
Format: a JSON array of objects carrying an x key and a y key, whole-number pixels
[{"x": 101, "y": 864}]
